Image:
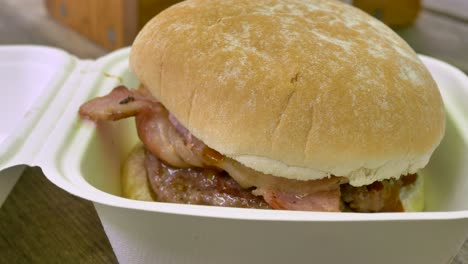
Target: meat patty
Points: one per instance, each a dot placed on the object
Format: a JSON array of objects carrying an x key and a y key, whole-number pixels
[
  {"x": 198, "y": 186},
  {"x": 382, "y": 196}
]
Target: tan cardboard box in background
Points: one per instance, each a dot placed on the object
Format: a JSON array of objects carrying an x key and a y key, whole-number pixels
[{"x": 110, "y": 23}]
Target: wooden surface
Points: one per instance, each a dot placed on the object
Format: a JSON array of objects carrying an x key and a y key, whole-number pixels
[{"x": 40, "y": 223}]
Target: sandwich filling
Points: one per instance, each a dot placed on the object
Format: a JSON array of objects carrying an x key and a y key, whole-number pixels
[{"x": 182, "y": 169}]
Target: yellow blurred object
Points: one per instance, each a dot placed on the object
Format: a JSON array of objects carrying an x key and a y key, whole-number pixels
[
  {"x": 110, "y": 23},
  {"x": 394, "y": 13}
]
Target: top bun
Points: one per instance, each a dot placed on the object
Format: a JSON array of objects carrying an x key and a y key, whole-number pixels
[{"x": 301, "y": 89}]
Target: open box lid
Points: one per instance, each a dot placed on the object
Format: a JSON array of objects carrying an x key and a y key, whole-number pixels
[
  {"x": 31, "y": 79},
  {"x": 42, "y": 88},
  {"x": 39, "y": 85},
  {"x": 43, "y": 122}
]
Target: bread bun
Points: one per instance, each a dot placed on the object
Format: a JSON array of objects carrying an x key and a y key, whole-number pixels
[
  {"x": 134, "y": 179},
  {"x": 298, "y": 89}
]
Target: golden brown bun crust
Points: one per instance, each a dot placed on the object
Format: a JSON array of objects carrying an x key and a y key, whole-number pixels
[{"x": 296, "y": 88}]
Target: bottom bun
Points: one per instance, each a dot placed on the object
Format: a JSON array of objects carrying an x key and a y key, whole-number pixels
[
  {"x": 134, "y": 179},
  {"x": 135, "y": 184}
]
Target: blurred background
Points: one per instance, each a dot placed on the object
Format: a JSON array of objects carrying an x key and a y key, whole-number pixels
[{"x": 90, "y": 28}]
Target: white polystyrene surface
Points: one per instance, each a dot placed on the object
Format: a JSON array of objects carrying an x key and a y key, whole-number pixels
[
  {"x": 140, "y": 237},
  {"x": 24, "y": 73},
  {"x": 447, "y": 172}
]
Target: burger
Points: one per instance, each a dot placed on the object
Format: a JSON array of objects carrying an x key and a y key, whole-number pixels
[{"x": 276, "y": 104}]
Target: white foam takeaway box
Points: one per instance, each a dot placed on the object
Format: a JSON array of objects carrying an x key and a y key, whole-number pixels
[
  {"x": 25, "y": 74},
  {"x": 40, "y": 127}
]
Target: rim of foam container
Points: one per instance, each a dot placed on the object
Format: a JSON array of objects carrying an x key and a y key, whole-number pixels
[
  {"x": 41, "y": 73},
  {"x": 90, "y": 193}
]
